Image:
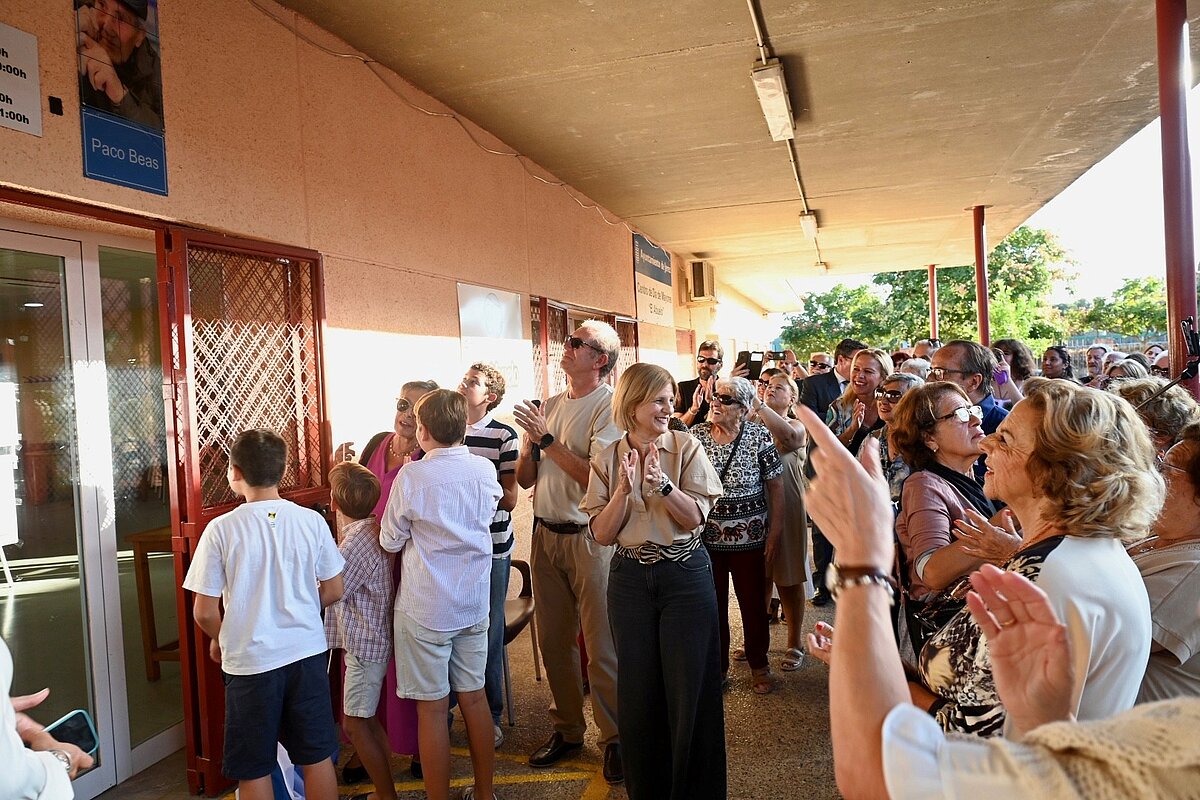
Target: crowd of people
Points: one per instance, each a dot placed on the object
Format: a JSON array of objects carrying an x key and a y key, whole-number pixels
[{"x": 1015, "y": 559}]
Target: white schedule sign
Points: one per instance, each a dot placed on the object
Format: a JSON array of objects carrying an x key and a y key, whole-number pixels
[{"x": 20, "y": 82}]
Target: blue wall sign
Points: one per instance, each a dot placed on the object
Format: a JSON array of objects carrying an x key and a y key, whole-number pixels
[
  {"x": 123, "y": 153},
  {"x": 652, "y": 282}
]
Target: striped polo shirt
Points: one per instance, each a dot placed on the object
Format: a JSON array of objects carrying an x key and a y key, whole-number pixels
[{"x": 499, "y": 444}]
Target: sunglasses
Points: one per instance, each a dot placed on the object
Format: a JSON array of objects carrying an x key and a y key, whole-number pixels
[
  {"x": 764, "y": 381},
  {"x": 403, "y": 406},
  {"x": 727, "y": 399},
  {"x": 574, "y": 342},
  {"x": 938, "y": 373},
  {"x": 1162, "y": 372},
  {"x": 963, "y": 413},
  {"x": 890, "y": 395},
  {"x": 712, "y": 362},
  {"x": 821, "y": 365}
]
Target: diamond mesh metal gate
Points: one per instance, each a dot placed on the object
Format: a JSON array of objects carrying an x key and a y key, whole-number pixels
[{"x": 243, "y": 333}]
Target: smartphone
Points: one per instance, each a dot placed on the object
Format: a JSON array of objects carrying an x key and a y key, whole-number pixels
[
  {"x": 999, "y": 375},
  {"x": 753, "y": 359},
  {"x": 76, "y": 728}
]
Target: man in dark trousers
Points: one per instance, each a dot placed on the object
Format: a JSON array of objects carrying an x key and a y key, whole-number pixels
[
  {"x": 817, "y": 392},
  {"x": 692, "y": 397}
]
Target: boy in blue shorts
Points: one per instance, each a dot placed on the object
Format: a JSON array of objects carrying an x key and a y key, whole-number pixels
[
  {"x": 360, "y": 623},
  {"x": 440, "y": 512},
  {"x": 275, "y": 566}
]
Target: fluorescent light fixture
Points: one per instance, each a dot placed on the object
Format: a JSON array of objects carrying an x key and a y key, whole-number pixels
[
  {"x": 773, "y": 97},
  {"x": 34, "y": 305},
  {"x": 808, "y": 224}
]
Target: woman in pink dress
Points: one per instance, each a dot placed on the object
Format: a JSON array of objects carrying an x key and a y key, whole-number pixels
[{"x": 385, "y": 455}]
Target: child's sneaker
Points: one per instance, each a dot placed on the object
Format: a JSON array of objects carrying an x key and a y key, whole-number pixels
[{"x": 469, "y": 794}]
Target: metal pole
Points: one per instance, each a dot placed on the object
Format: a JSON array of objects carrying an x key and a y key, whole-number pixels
[
  {"x": 981, "y": 277},
  {"x": 1177, "y": 183},
  {"x": 933, "y": 302}
]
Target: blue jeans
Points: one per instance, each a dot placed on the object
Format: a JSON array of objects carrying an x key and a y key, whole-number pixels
[
  {"x": 672, "y": 718},
  {"x": 493, "y": 675}
]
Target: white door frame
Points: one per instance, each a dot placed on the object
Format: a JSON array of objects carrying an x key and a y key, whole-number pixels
[{"x": 93, "y": 448}]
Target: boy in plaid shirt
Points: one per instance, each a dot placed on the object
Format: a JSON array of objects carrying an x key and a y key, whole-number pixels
[{"x": 361, "y": 623}]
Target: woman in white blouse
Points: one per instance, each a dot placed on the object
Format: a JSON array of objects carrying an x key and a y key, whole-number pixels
[{"x": 649, "y": 494}]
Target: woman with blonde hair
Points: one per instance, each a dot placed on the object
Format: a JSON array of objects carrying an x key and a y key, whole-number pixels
[
  {"x": 648, "y": 495},
  {"x": 855, "y": 414}
]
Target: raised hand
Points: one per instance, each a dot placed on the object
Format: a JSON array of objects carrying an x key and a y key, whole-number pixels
[
  {"x": 820, "y": 642},
  {"x": 344, "y": 452},
  {"x": 1027, "y": 645},
  {"x": 627, "y": 465},
  {"x": 982, "y": 539},
  {"x": 849, "y": 500},
  {"x": 651, "y": 471},
  {"x": 531, "y": 419},
  {"x": 699, "y": 396}
]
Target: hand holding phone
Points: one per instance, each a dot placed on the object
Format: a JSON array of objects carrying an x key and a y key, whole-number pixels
[{"x": 75, "y": 728}]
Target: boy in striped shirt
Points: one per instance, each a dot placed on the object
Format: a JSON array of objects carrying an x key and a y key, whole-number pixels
[{"x": 483, "y": 387}]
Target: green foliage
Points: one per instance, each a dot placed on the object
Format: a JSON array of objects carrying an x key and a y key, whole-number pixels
[
  {"x": 1021, "y": 272},
  {"x": 1138, "y": 308}
]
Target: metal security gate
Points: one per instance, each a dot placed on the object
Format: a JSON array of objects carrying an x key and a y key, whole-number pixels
[{"x": 243, "y": 332}]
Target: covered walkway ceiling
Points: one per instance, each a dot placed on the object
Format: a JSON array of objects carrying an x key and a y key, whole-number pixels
[{"x": 907, "y": 112}]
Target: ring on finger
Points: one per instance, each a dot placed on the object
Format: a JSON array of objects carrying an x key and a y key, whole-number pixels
[{"x": 1006, "y": 624}]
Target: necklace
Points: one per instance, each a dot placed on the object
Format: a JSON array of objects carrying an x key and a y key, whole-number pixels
[
  {"x": 392, "y": 449},
  {"x": 1156, "y": 542}
]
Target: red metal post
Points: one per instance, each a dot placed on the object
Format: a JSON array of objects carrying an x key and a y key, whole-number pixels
[
  {"x": 933, "y": 302},
  {"x": 981, "y": 277},
  {"x": 1177, "y": 183}
]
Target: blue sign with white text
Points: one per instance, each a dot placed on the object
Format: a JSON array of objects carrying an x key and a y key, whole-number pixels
[
  {"x": 651, "y": 260},
  {"x": 123, "y": 153}
]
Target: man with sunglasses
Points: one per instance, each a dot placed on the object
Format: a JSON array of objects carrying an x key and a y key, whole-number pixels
[
  {"x": 819, "y": 363},
  {"x": 692, "y": 397},
  {"x": 1161, "y": 368},
  {"x": 971, "y": 366},
  {"x": 570, "y": 571}
]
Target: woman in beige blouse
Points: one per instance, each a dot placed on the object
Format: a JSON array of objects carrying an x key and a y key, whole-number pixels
[{"x": 648, "y": 495}]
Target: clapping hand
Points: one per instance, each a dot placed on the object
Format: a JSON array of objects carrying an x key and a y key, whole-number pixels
[
  {"x": 652, "y": 473},
  {"x": 820, "y": 642},
  {"x": 627, "y": 465},
  {"x": 982, "y": 539},
  {"x": 531, "y": 419},
  {"x": 1027, "y": 645}
]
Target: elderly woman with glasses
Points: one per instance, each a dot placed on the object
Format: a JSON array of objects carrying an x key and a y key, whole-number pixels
[
  {"x": 648, "y": 494},
  {"x": 743, "y": 530},
  {"x": 937, "y": 431},
  {"x": 385, "y": 454}
]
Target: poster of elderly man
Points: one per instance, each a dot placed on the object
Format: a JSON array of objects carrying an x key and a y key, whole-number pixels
[{"x": 119, "y": 68}]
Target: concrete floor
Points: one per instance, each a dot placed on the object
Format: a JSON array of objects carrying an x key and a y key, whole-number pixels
[{"x": 778, "y": 744}]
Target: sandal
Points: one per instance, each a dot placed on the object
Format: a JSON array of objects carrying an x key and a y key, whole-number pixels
[
  {"x": 761, "y": 681},
  {"x": 793, "y": 659},
  {"x": 738, "y": 654}
]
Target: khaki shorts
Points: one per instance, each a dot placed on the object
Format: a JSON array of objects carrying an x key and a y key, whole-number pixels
[
  {"x": 429, "y": 664},
  {"x": 364, "y": 682}
]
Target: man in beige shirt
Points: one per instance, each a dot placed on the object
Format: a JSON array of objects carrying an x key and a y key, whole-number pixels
[{"x": 570, "y": 572}]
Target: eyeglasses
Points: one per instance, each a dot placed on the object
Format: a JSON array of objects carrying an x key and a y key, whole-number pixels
[
  {"x": 889, "y": 396},
  {"x": 821, "y": 365},
  {"x": 938, "y": 373},
  {"x": 403, "y": 406},
  {"x": 963, "y": 413},
  {"x": 712, "y": 362},
  {"x": 574, "y": 342},
  {"x": 726, "y": 399},
  {"x": 1162, "y": 372},
  {"x": 764, "y": 381}
]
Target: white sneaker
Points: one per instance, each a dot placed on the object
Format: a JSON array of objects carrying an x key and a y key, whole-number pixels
[
  {"x": 469, "y": 794},
  {"x": 498, "y": 735}
]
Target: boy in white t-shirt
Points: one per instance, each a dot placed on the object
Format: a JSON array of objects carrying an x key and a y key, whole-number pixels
[
  {"x": 440, "y": 512},
  {"x": 275, "y": 566}
]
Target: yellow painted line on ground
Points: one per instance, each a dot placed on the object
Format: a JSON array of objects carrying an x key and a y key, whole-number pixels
[
  {"x": 524, "y": 760},
  {"x": 597, "y": 789}
]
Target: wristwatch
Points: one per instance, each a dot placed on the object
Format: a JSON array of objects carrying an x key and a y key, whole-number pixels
[
  {"x": 546, "y": 441},
  {"x": 839, "y": 577},
  {"x": 62, "y": 757},
  {"x": 665, "y": 488}
]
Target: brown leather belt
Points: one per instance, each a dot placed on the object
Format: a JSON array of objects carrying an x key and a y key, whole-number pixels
[{"x": 564, "y": 528}]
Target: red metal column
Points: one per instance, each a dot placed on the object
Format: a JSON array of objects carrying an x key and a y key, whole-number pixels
[
  {"x": 1177, "y": 183},
  {"x": 933, "y": 302},
  {"x": 981, "y": 277}
]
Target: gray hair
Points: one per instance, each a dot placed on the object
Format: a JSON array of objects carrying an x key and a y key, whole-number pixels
[
  {"x": 915, "y": 366},
  {"x": 608, "y": 340},
  {"x": 910, "y": 380},
  {"x": 740, "y": 388}
]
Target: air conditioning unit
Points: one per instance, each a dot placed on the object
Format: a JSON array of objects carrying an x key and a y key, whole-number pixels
[{"x": 700, "y": 284}]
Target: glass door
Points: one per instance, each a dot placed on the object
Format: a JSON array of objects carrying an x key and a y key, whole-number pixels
[{"x": 86, "y": 589}]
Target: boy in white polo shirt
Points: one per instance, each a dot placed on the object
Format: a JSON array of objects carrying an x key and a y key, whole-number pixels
[
  {"x": 275, "y": 566},
  {"x": 440, "y": 512}
]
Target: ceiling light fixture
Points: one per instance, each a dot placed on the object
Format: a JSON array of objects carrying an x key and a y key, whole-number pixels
[
  {"x": 34, "y": 305},
  {"x": 808, "y": 224},
  {"x": 773, "y": 97},
  {"x": 822, "y": 266}
]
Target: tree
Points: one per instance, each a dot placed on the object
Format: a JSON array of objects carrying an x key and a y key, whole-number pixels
[
  {"x": 1138, "y": 308},
  {"x": 1022, "y": 270}
]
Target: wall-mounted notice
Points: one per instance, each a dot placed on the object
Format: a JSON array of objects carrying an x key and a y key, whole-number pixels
[
  {"x": 120, "y": 93},
  {"x": 652, "y": 281},
  {"x": 491, "y": 332},
  {"x": 20, "y": 83}
]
